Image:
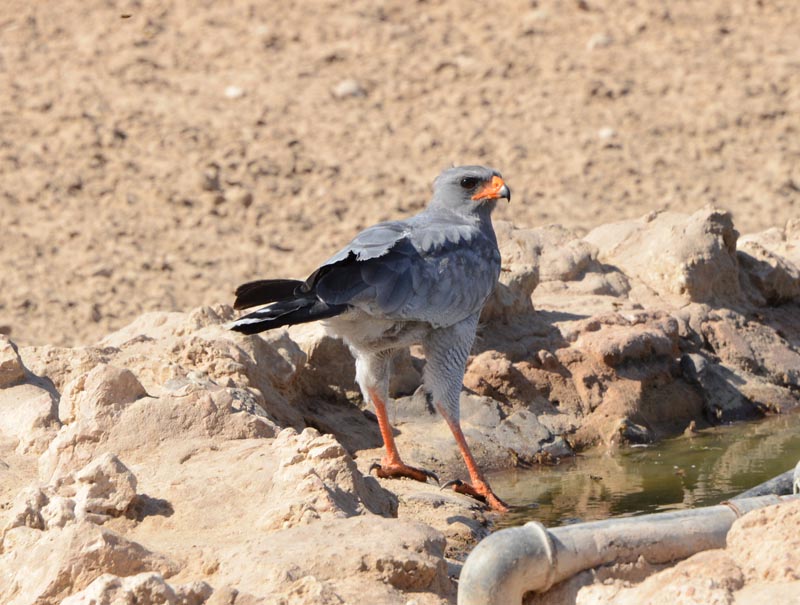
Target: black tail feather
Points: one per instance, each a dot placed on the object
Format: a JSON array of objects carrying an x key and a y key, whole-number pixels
[
  {"x": 264, "y": 291},
  {"x": 286, "y": 313}
]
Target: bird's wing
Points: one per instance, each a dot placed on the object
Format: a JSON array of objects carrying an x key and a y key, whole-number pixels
[
  {"x": 422, "y": 271},
  {"x": 375, "y": 265}
]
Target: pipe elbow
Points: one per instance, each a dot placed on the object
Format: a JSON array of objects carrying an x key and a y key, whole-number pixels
[{"x": 506, "y": 565}]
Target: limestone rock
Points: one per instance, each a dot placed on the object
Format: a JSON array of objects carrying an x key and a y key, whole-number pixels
[
  {"x": 148, "y": 588},
  {"x": 28, "y": 415},
  {"x": 316, "y": 478},
  {"x": 197, "y": 412},
  {"x": 616, "y": 339},
  {"x": 60, "y": 365},
  {"x": 104, "y": 390},
  {"x": 681, "y": 259},
  {"x": 45, "y": 567},
  {"x": 11, "y": 368},
  {"x": 774, "y": 278},
  {"x": 760, "y": 561},
  {"x": 104, "y": 487},
  {"x": 723, "y": 397},
  {"x": 407, "y": 557},
  {"x": 766, "y": 543},
  {"x": 752, "y": 347},
  {"x": 329, "y": 368}
]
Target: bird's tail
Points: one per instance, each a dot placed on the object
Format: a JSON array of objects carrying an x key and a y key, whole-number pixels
[
  {"x": 289, "y": 306},
  {"x": 263, "y": 291}
]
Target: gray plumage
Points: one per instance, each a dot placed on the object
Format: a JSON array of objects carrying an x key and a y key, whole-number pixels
[{"x": 422, "y": 280}]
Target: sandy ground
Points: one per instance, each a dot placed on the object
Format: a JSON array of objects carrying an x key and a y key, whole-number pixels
[{"x": 154, "y": 154}]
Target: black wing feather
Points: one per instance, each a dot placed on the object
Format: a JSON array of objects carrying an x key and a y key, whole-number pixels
[{"x": 264, "y": 291}]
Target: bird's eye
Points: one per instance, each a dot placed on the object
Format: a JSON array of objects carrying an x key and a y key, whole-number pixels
[{"x": 468, "y": 182}]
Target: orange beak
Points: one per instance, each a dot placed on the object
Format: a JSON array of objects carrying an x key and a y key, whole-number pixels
[{"x": 493, "y": 190}]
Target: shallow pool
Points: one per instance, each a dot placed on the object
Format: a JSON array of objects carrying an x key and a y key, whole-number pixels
[{"x": 684, "y": 472}]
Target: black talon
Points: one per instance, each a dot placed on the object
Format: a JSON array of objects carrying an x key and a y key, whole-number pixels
[
  {"x": 372, "y": 467},
  {"x": 456, "y": 482},
  {"x": 466, "y": 490},
  {"x": 432, "y": 475}
]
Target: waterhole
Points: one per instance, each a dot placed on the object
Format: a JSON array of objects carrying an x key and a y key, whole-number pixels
[{"x": 685, "y": 472}]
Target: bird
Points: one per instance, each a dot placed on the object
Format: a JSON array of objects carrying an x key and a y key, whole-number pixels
[{"x": 420, "y": 280}]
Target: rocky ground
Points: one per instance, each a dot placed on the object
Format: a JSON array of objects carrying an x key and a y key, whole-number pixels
[
  {"x": 156, "y": 153},
  {"x": 179, "y": 461}
]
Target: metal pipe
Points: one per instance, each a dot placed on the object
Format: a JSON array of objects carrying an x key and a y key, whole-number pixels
[
  {"x": 511, "y": 562},
  {"x": 780, "y": 485}
]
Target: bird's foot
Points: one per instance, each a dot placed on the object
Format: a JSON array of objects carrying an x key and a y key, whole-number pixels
[
  {"x": 393, "y": 470},
  {"x": 481, "y": 491}
]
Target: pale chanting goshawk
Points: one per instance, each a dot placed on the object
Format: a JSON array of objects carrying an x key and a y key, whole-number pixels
[{"x": 422, "y": 280}]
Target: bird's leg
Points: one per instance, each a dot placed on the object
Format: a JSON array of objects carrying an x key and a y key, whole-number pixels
[
  {"x": 446, "y": 352},
  {"x": 478, "y": 487},
  {"x": 391, "y": 465}
]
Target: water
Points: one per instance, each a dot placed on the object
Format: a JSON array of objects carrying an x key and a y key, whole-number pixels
[{"x": 685, "y": 472}]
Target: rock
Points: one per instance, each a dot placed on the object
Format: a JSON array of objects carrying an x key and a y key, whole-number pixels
[
  {"x": 329, "y": 368},
  {"x": 29, "y": 416},
  {"x": 329, "y": 364},
  {"x": 60, "y": 365},
  {"x": 774, "y": 278},
  {"x": 11, "y": 368},
  {"x": 234, "y": 92},
  {"x": 622, "y": 337},
  {"x": 196, "y": 413},
  {"x": 724, "y": 401},
  {"x": 519, "y": 249},
  {"x": 103, "y": 390},
  {"x": 599, "y": 40},
  {"x": 606, "y": 133},
  {"x": 349, "y": 88},
  {"x": 104, "y": 487},
  {"x": 681, "y": 259},
  {"x": 765, "y": 543},
  {"x": 45, "y": 567},
  {"x": 752, "y": 347},
  {"x": 616, "y": 340},
  {"x": 58, "y": 512},
  {"x": 760, "y": 561},
  {"x": 26, "y": 509},
  {"x": 407, "y": 557},
  {"x": 239, "y": 195},
  {"x": 316, "y": 478},
  {"x": 146, "y": 588},
  {"x": 632, "y": 433}
]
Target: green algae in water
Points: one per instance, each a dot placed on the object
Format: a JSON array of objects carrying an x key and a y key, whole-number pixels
[{"x": 685, "y": 472}]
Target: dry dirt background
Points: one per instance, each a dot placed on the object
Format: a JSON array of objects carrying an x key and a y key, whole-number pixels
[{"x": 153, "y": 155}]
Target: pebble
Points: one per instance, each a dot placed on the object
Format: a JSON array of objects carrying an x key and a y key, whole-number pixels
[
  {"x": 234, "y": 92},
  {"x": 599, "y": 40},
  {"x": 606, "y": 133},
  {"x": 348, "y": 88}
]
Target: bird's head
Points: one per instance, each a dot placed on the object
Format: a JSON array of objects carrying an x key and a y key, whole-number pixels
[{"x": 469, "y": 189}]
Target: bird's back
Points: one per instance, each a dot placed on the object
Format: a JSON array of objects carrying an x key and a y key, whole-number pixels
[{"x": 435, "y": 267}]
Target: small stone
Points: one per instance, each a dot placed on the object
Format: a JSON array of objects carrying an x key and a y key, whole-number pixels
[
  {"x": 234, "y": 92},
  {"x": 11, "y": 369},
  {"x": 599, "y": 40},
  {"x": 239, "y": 195},
  {"x": 349, "y": 88},
  {"x": 105, "y": 487},
  {"x": 606, "y": 133}
]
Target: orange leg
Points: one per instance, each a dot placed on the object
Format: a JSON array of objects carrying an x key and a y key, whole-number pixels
[
  {"x": 479, "y": 488},
  {"x": 391, "y": 465}
]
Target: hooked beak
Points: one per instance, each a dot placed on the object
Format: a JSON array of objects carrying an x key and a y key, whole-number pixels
[{"x": 493, "y": 190}]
